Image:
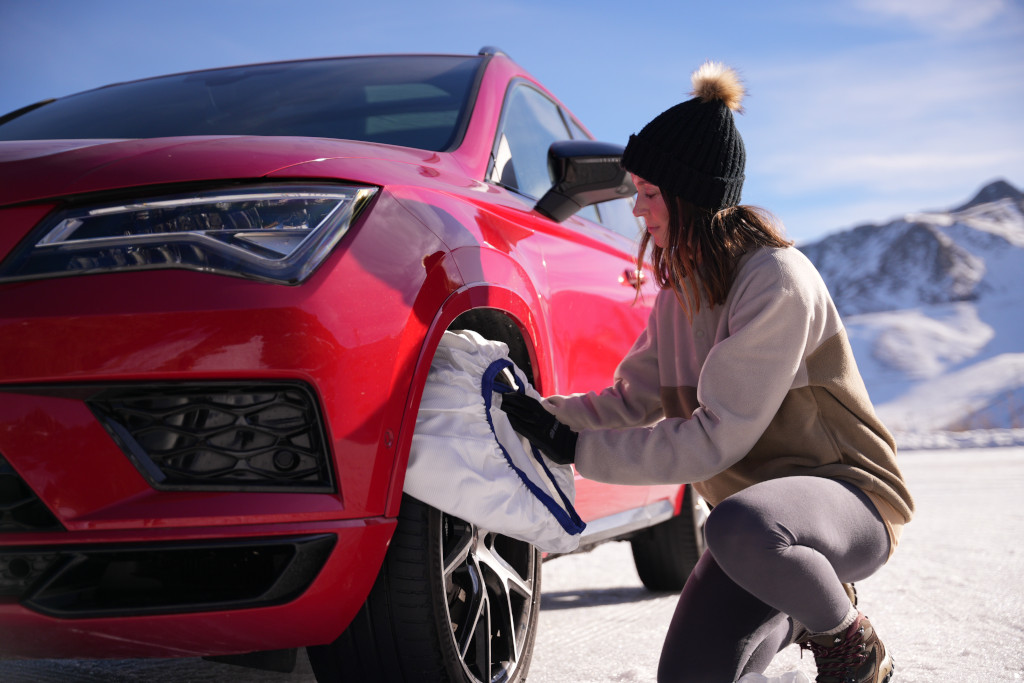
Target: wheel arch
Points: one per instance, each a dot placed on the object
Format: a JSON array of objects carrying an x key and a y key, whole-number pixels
[
  {"x": 494, "y": 312},
  {"x": 497, "y": 325}
]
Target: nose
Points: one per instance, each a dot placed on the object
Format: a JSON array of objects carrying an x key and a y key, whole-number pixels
[{"x": 638, "y": 207}]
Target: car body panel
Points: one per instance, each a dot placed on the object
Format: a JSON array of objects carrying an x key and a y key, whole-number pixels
[
  {"x": 312, "y": 618},
  {"x": 37, "y": 169}
]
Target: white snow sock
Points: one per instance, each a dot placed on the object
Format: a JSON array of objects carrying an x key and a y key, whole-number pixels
[{"x": 850, "y": 617}]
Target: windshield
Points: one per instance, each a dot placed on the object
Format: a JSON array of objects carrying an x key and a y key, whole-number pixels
[{"x": 414, "y": 101}]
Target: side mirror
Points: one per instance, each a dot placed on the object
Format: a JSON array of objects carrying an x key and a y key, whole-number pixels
[{"x": 586, "y": 172}]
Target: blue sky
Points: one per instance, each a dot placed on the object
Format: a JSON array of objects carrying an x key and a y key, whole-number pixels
[{"x": 857, "y": 110}]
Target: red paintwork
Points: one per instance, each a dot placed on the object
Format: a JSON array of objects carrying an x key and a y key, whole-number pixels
[
  {"x": 333, "y": 599},
  {"x": 435, "y": 242}
]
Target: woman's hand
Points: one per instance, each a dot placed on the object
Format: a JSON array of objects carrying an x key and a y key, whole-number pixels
[{"x": 541, "y": 428}]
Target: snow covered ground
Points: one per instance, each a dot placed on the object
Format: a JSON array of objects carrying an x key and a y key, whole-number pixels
[{"x": 977, "y": 438}]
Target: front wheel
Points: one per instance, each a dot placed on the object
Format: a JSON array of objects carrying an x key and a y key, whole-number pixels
[
  {"x": 666, "y": 553},
  {"x": 452, "y": 603}
]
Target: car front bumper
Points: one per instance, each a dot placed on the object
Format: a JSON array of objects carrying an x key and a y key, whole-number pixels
[{"x": 117, "y": 613}]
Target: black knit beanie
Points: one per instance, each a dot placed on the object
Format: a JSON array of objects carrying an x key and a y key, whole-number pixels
[{"x": 693, "y": 150}]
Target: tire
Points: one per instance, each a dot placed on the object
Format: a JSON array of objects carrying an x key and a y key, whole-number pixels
[
  {"x": 452, "y": 603},
  {"x": 666, "y": 553}
]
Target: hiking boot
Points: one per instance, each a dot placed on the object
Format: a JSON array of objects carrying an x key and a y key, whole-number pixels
[
  {"x": 851, "y": 590},
  {"x": 856, "y": 656},
  {"x": 800, "y": 634}
]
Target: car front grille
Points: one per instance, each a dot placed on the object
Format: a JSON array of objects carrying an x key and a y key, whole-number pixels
[
  {"x": 220, "y": 436},
  {"x": 20, "y": 507}
]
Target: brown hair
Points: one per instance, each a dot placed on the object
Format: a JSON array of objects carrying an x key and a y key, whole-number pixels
[{"x": 705, "y": 247}]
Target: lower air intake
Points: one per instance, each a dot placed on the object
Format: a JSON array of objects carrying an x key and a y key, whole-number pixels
[{"x": 169, "y": 578}]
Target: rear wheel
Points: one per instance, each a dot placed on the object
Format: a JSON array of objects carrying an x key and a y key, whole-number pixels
[
  {"x": 666, "y": 553},
  {"x": 452, "y": 602}
]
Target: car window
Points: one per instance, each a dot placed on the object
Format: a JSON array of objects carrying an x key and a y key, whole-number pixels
[
  {"x": 590, "y": 213},
  {"x": 618, "y": 215},
  {"x": 577, "y": 132},
  {"x": 530, "y": 123},
  {"x": 414, "y": 101}
]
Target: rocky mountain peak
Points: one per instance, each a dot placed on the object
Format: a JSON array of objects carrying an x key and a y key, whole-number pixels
[
  {"x": 993, "y": 192},
  {"x": 926, "y": 258},
  {"x": 933, "y": 304}
]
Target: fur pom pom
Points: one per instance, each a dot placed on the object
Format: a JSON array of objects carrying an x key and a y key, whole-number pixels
[{"x": 716, "y": 81}]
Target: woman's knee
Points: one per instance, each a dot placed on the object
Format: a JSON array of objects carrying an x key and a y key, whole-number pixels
[
  {"x": 737, "y": 528},
  {"x": 730, "y": 519}
]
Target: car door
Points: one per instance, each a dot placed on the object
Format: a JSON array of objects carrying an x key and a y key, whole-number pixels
[{"x": 592, "y": 302}]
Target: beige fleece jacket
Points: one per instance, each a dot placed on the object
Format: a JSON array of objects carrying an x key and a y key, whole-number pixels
[{"x": 762, "y": 386}]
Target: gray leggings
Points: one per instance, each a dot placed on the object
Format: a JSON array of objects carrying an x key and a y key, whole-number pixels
[{"x": 778, "y": 551}]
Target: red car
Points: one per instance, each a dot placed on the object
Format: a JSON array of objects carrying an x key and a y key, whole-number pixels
[{"x": 220, "y": 293}]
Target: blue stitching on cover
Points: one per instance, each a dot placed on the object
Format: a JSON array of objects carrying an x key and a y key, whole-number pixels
[{"x": 568, "y": 518}]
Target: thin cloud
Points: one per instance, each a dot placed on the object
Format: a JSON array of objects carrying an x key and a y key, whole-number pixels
[
  {"x": 891, "y": 174},
  {"x": 876, "y": 118},
  {"x": 869, "y": 132},
  {"x": 937, "y": 16}
]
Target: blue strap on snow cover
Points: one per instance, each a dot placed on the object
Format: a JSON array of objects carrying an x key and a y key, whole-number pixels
[{"x": 567, "y": 517}]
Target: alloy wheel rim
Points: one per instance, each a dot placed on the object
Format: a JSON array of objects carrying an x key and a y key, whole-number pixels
[{"x": 489, "y": 596}]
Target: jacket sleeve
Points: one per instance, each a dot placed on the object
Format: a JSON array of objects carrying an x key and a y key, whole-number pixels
[
  {"x": 742, "y": 383},
  {"x": 633, "y": 399}
]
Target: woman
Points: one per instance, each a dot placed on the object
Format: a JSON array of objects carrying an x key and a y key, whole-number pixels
[{"x": 743, "y": 384}]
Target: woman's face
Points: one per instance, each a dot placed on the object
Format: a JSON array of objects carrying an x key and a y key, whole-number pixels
[{"x": 651, "y": 207}]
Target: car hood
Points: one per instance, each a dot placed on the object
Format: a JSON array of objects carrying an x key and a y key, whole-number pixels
[{"x": 36, "y": 170}]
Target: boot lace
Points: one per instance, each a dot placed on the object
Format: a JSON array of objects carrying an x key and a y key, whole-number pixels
[{"x": 838, "y": 662}]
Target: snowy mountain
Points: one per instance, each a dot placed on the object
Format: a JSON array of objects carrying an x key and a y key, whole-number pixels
[{"x": 934, "y": 307}]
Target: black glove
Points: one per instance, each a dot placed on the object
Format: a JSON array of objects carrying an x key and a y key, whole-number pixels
[{"x": 543, "y": 429}]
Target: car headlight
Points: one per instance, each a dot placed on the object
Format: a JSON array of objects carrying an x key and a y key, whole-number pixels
[{"x": 274, "y": 233}]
